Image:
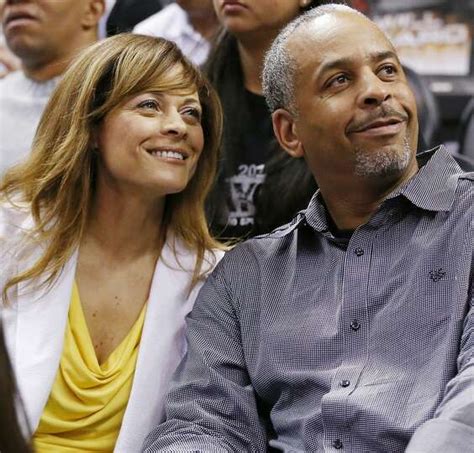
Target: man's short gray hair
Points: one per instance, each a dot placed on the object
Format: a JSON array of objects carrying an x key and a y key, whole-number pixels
[{"x": 280, "y": 67}]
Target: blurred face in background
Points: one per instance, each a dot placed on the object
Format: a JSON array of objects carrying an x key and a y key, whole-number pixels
[
  {"x": 42, "y": 30},
  {"x": 246, "y": 16}
]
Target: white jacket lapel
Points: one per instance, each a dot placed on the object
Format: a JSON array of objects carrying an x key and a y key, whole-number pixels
[
  {"x": 41, "y": 322},
  {"x": 162, "y": 346}
]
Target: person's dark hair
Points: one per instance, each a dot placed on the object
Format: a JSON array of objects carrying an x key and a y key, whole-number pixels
[
  {"x": 125, "y": 14},
  {"x": 11, "y": 437},
  {"x": 224, "y": 71},
  {"x": 294, "y": 184}
]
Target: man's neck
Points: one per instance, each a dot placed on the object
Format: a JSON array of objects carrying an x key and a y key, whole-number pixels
[
  {"x": 351, "y": 206},
  {"x": 45, "y": 72},
  {"x": 42, "y": 70}
]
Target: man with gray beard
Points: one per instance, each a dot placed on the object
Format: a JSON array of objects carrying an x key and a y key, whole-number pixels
[{"x": 352, "y": 328}]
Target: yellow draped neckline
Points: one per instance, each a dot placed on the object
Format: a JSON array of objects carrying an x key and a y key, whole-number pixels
[{"x": 88, "y": 400}]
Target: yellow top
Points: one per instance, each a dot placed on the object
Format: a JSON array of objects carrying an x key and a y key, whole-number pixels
[{"x": 87, "y": 402}]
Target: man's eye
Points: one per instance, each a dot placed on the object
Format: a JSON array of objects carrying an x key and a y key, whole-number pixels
[
  {"x": 341, "y": 79},
  {"x": 149, "y": 104},
  {"x": 388, "y": 70}
]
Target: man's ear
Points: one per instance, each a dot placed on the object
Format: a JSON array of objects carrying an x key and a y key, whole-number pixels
[
  {"x": 285, "y": 130},
  {"x": 94, "y": 10}
]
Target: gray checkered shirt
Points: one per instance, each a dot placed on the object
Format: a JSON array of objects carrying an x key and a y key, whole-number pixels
[{"x": 300, "y": 344}]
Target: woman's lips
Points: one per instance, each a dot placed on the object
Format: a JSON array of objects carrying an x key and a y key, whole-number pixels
[{"x": 230, "y": 6}]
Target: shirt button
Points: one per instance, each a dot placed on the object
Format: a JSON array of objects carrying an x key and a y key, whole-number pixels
[
  {"x": 337, "y": 444},
  {"x": 359, "y": 251},
  {"x": 345, "y": 383},
  {"x": 355, "y": 325}
]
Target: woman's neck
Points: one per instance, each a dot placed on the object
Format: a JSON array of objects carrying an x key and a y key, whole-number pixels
[
  {"x": 125, "y": 227},
  {"x": 252, "y": 55},
  {"x": 204, "y": 23}
]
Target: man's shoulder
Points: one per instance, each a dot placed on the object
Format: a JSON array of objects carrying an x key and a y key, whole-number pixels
[
  {"x": 284, "y": 230},
  {"x": 266, "y": 246},
  {"x": 16, "y": 85}
]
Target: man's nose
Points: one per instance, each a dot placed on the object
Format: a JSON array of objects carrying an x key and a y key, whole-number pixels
[{"x": 373, "y": 90}]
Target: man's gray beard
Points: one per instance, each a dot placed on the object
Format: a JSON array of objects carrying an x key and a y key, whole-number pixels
[{"x": 382, "y": 162}]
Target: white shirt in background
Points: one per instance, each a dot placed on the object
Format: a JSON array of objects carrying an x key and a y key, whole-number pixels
[
  {"x": 22, "y": 102},
  {"x": 172, "y": 23}
]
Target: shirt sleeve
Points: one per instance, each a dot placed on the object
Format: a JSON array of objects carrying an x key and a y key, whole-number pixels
[
  {"x": 452, "y": 428},
  {"x": 211, "y": 406}
]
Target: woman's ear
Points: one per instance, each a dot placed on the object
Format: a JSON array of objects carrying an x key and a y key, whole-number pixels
[{"x": 285, "y": 130}]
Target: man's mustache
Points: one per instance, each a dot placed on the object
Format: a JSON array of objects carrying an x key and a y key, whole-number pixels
[{"x": 384, "y": 113}]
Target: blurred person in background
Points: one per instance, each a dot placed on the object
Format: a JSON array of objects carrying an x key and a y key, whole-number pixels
[
  {"x": 105, "y": 243},
  {"x": 191, "y": 24},
  {"x": 45, "y": 35},
  {"x": 234, "y": 68}
]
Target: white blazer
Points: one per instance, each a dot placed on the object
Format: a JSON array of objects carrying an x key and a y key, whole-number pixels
[{"x": 35, "y": 323}]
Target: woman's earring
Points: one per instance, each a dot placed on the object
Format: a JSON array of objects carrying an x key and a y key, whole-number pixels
[{"x": 305, "y": 3}]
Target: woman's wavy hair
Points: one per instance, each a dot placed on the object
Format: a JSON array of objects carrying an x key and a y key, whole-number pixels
[{"x": 57, "y": 182}]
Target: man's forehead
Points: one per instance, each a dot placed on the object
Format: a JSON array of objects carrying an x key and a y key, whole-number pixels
[{"x": 334, "y": 36}]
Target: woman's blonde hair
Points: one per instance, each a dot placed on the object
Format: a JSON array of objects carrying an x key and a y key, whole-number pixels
[{"x": 58, "y": 180}]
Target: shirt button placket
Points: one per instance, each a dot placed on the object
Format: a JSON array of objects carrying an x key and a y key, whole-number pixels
[{"x": 354, "y": 342}]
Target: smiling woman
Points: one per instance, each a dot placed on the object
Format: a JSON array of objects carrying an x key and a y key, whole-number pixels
[
  {"x": 162, "y": 146},
  {"x": 106, "y": 243}
]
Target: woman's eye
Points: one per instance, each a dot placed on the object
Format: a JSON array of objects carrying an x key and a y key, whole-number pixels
[
  {"x": 193, "y": 112},
  {"x": 149, "y": 104}
]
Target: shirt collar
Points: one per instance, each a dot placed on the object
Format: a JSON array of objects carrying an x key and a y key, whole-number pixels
[{"x": 433, "y": 187}]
